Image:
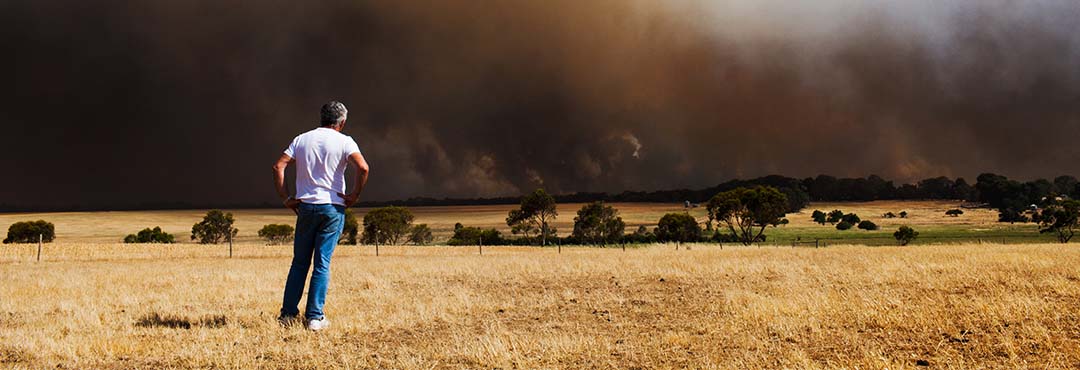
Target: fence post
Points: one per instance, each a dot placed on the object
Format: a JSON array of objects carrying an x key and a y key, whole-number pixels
[
  {"x": 230, "y": 243},
  {"x": 39, "y": 237},
  {"x": 481, "y": 245},
  {"x": 816, "y": 241},
  {"x": 376, "y": 249}
]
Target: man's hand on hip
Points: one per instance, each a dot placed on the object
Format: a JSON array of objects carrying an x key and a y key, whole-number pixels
[
  {"x": 350, "y": 199},
  {"x": 293, "y": 204}
]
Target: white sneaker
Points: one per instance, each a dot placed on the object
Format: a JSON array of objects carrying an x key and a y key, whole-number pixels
[{"x": 316, "y": 325}]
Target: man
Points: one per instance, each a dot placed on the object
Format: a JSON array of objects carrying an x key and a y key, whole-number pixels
[{"x": 321, "y": 156}]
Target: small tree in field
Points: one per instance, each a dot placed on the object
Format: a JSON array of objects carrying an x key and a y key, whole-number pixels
[
  {"x": 538, "y": 210},
  {"x": 905, "y": 235},
  {"x": 1060, "y": 217},
  {"x": 851, "y": 218},
  {"x": 387, "y": 225},
  {"x": 844, "y": 225},
  {"x": 903, "y": 214},
  {"x": 421, "y": 235},
  {"x": 350, "y": 230},
  {"x": 819, "y": 217},
  {"x": 867, "y": 225},
  {"x": 277, "y": 233},
  {"x": 678, "y": 227},
  {"x": 149, "y": 235},
  {"x": 30, "y": 231},
  {"x": 598, "y": 223},
  {"x": 889, "y": 215},
  {"x": 214, "y": 228},
  {"x": 835, "y": 216},
  {"x": 747, "y": 211},
  {"x": 954, "y": 212}
]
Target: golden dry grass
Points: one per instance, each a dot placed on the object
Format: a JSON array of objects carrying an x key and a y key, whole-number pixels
[{"x": 955, "y": 306}]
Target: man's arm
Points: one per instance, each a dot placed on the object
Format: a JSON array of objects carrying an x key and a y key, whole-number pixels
[
  {"x": 279, "y": 182},
  {"x": 362, "y": 170}
]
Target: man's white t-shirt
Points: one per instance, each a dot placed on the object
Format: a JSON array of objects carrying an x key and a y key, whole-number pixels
[{"x": 321, "y": 157}]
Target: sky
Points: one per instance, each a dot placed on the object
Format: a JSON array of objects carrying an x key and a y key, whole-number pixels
[{"x": 122, "y": 103}]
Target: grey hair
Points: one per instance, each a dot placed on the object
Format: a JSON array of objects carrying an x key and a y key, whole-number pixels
[{"x": 332, "y": 113}]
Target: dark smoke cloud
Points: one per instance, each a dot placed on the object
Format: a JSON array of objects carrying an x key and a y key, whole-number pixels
[{"x": 122, "y": 103}]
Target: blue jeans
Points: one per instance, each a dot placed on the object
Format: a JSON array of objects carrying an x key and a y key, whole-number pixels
[{"x": 318, "y": 227}]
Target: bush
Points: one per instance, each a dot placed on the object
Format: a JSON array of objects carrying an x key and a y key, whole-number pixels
[
  {"x": 868, "y": 226},
  {"x": 597, "y": 223},
  {"x": 214, "y": 228},
  {"x": 903, "y": 214},
  {"x": 678, "y": 227},
  {"x": 350, "y": 230},
  {"x": 30, "y": 231},
  {"x": 835, "y": 216},
  {"x": 851, "y": 218},
  {"x": 474, "y": 236},
  {"x": 889, "y": 215},
  {"x": 149, "y": 235},
  {"x": 954, "y": 212},
  {"x": 421, "y": 235},
  {"x": 387, "y": 225},
  {"x": 905, "y": 235},
  {"x": 819, "y": 217},
  {"x": 844, "y": 225},
  {"x": 641, "y": 235},
  {"x": 277, "y": 233}
]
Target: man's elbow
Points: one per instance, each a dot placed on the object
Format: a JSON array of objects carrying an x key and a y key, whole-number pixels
[
  {"x": 278, "y": 167},
  {"x": 363, "y": 169}
]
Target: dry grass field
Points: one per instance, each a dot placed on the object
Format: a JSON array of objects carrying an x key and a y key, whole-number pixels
[
  {"x": 184, "y": 306},
  {"x": 948, "y": 303}
]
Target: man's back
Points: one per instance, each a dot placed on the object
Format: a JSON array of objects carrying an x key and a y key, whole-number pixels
[{"x": 321, "y": 158}]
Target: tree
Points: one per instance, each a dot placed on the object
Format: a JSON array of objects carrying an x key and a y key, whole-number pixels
[
  {"x": 819, "y": 217},
  {"x": 851, "y": 218},
  {"x": 350, "y": 230},
  {"x": 519, "y": 224},
  {"x": 537, "y": 209},
  {"x": 30, "y": 231},
  {"x": 835, "y": 216},
  {"x": 215, "y": 227},
  {"x": 844, "y": 225},
  {"x": 747, "y": 212},
  {"x": 954, "y": 212},
  {"x": 421, "y": 235},
  {"x": 277, "y": 233},
  {"x": 1061, "y": 217},
  {"x": 903, "y": 214},
  {"x": 149, "y": 235},
  {"x": 597, "y": 223},
  {"x": 868, "y": 225},
  {"x": 387, "y": 225},
  {"x": 678, "y": 227},
  {"x": 905, "y": 235},
  {"x": 889, "y": 215}
]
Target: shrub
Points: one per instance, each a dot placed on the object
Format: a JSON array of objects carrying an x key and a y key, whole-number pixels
[
  {"x": 149, "y": 235},
  {"x": 597, "y": 223},
  {"x": 30, "y": 231},
  {"x": 387, "y": 225},
  {"x": 851, "y": 218},
  {"x": 277, "y": 233},
  {"x": 1060, "y": 217},
  {"x": 475, "y": 235},
  {"x": 819, "y": 217},
  {"x": 678, "y": 227},
  {"x": 214, "y": 228},
  {"x": 903, "y": 214},
  {"x": 421, "y": 235},
  {"x": 835, "y": 216},
  {"x": 954, "y": 212},
  {"x": 889, "y": 215},
  {"x": 905, "y": 235},
  {"x": 867, "y": 225},
  {"x": 350, "y": 230},
  {"x": 844, "y": 225},
  {"x": 641, "y": 235}
]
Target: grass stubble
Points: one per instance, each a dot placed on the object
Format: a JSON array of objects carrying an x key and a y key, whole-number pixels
[{"x": 942, "y": 306}]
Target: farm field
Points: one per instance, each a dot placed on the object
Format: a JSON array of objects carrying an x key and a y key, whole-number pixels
[
  {"x": 186, "y": 306},
  {"x": 928, "y": 217}
]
